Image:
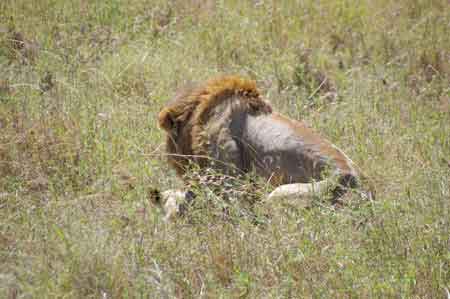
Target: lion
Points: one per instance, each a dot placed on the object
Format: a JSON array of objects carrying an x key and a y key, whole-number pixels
[{"x": 224, "y": 124}]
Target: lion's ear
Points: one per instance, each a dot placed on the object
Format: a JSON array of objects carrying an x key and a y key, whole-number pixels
[{"x": 167, "y": 121}]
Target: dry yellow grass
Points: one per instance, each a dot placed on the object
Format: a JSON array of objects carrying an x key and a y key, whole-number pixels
[{"x": 81, "y": 84}]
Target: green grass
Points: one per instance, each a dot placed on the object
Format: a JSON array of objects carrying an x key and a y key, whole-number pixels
[{"x": 80, "y": 147}]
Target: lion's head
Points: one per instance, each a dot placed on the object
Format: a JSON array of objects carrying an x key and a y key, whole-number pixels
[{"x": 185, "y": 116}]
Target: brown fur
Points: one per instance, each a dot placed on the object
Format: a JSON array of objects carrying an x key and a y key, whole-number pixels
[
  {"x": 225, "y": 124},
  {"x": 185, "y": 116}
]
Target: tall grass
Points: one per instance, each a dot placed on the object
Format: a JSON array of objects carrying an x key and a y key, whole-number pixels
[{"x": 81, "y": 83}]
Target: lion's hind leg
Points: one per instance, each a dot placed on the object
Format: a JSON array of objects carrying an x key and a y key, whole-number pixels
[{"x": 299, "y": 190}]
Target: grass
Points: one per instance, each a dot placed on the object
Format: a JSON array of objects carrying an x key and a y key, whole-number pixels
[{"x": 81, "y": 83}]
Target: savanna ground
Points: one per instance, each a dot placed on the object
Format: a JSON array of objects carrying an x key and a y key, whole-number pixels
[{"x": 81, "y": 84}]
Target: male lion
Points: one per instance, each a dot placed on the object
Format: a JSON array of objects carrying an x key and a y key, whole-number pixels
[{"x": 225, "y": 125}]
